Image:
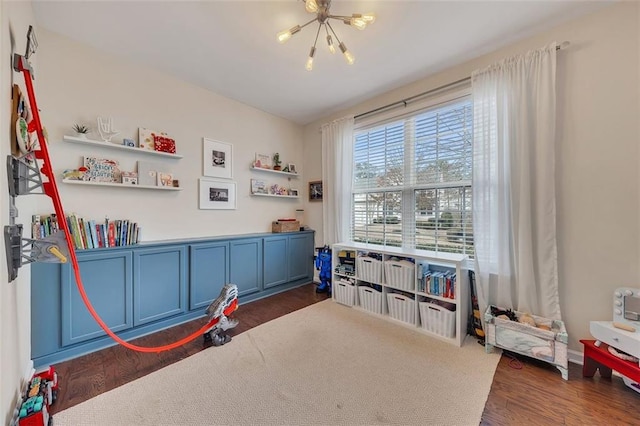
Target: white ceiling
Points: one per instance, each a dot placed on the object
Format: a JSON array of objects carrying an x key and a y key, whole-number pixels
[{"x": 230, "y": 47}]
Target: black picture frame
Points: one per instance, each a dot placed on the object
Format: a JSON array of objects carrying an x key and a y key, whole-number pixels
[{"x": 315, "y": 190}]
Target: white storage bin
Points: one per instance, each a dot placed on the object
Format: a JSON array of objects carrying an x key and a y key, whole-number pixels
[
  {"x": 400, "y": 274},
  {"x": 369, "y": 269},
  {"x": 401, "y": 308},
  {"x": 370, "y": 299},
  {"x": 438, "y": 320},
  {"x": 344, "y": 293}
]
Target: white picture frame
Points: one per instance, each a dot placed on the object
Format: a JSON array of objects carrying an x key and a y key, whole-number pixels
[
  {"x": 216, "y": 194},
  {"x": 293, "y": 168},
  {"x": 217, "y": 159}
]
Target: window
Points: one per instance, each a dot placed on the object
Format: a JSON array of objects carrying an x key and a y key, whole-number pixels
[{"x": 412, "y": 180}]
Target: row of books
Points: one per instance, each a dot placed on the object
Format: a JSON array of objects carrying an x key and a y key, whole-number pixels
[
  {"x": 437, "y": 283},
  {"x": 88, "y": 234}
]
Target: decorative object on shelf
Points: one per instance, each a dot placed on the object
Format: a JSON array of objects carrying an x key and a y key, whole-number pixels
[
  {"x": 106, "y": 129},
  {"x": 321, "y": 9},
  {"x": 285, "y": 225},
  {"x": 258, "y": 187},
  {"x": 129, "y": 142},
  {"x": 217, "y": 194},
  {"x": 217, "y": 159},
  {"x": 101, "y": 170},
  {"x": 315, "y": 190},
  {"x": 74, "y": 174},
  {"x": 163, "y": 143},
  {"x": 262, "y": 161},
  {"x": 292, "y": 168},
  {"x": 276, "y": 189},
  {"x": 148, "y": 170},
  {"x": 146, "y": 138},
  {"x": 276, "y": 162},
  {"x": 293, "y": 192},
  {"x": 129, "y": 178},
  {"x": 81, "y": 131},
  {"x": 164, "y": 179}
]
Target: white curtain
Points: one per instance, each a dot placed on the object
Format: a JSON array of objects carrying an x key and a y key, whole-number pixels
[
  {"x": 514, "y": 208},
  {"x": 337, "y": 179}
]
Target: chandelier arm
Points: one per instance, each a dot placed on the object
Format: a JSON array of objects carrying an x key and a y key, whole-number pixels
[
  {"x": 304, "y": 25},
  {"x": 317, "y": 34},
  {"x": 339, "y": 17},
  {"x": 333, "y": 32}
]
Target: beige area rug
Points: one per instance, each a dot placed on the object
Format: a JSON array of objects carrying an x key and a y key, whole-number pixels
[{"x": 326, "y": 364}]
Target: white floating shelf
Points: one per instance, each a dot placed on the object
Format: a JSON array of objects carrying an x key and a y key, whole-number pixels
[
  {"x": 103, "y": 144},
  {"x": 277, "y": 196},
  {"x": 120, "y": 185},
  {"x": 275, "y": 171}
]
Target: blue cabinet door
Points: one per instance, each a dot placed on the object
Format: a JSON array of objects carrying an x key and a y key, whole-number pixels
[
  {"x": 300, "y": 256},
  {"x": 107, "y": 280},
  {"x": 245, "y": 266},
  {"x": 160, "y": 283},
  {"x": 208, "y": 272},
  {"x": 275, "y": 269}
]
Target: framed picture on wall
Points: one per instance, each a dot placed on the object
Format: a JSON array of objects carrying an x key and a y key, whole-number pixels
[
  {"x": 217, "y": 194},
  {"x": 315, "y": 190},
  {"x": 217, "y": 159}
]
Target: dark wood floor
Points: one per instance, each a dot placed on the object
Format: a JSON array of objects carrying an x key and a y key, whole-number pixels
[{"x": 534, "y": 394}]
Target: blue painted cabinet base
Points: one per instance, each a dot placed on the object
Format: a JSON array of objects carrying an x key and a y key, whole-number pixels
[{"x": 148, "y": 287}]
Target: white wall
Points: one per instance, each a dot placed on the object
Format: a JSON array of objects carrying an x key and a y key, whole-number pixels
[
  {"x": 15, "y": 320},
  {"x": 79, "y": 83},
  {"x": 598, "y": 184}
]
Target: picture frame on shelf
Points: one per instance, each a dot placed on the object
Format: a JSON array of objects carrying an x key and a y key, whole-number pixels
[
  {"x": 262, "y": 161},
  {"x": 217, "y": 159},
  {"x": 293, "y": 168},
  {"x": 258, "y": 187},
  {"x": 315, "y": 190},
  {"x": 216, "y": 194},
  {"x": 293, "y": 192}
]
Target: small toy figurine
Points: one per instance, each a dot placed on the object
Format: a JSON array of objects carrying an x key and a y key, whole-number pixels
[
  {"x": 323, "y": 264},
  {"x": 224, "y": 305}
]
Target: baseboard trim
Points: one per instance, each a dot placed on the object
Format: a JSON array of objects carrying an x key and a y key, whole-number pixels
[
  {"x": 575, "y": 357},
  {"x": 24, "y": 383}
]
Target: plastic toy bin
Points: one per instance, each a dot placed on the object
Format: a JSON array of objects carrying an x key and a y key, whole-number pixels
[
  {"x": 344, "y": 293},
  {"x": 438, "y": 320},
  {"x": 400, "y": 274},
  {"x": 369, "y": 269},
  {"x": 370, "y": 299},
  {"x": 401, "y": 308}
]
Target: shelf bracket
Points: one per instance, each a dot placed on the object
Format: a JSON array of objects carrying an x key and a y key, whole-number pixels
[
  {"x": 22, "y": 251},
  {"x": 23, "y": 177}
]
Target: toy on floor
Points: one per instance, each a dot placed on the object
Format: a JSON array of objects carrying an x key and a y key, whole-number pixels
[
  {"x": 323, "y": 264},
  {"x": 41, "y": 393},
  {"x": 224, "y": 305}
]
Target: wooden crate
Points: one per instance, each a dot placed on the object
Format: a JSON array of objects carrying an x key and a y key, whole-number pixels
[{"x": 285, "y": 226}]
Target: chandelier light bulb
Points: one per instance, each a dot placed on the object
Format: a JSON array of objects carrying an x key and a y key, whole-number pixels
[
  {"x": 347, "y": 55},
  {"x": 358, "y": 23},
  {"x": 285, "y": 35},
  {"x": 311, "y": 6},
  {"x": 332, "y": 48},
  {"x": 369, "y": 18},
  {"x": 309, "y": 65}
]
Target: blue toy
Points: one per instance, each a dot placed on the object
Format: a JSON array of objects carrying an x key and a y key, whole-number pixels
[{"x": 323, "y": 264}]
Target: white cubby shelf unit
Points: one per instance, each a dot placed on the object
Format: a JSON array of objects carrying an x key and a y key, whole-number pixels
[{"x": 421, "y": 289}]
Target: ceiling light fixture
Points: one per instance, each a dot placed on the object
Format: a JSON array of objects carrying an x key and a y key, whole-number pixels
[{"x": 321, "y": 9}]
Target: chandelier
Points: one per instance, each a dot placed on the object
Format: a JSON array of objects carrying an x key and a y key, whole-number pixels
[{"x": 321, "y": 9}]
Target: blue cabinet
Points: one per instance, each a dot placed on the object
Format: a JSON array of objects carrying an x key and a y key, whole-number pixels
[
  {"x": 209, "y": 266},
  {"x": 148, "y": 287},
  {"x": 300, "y": 256},
  {"x": 245, "y": 268},
  {"x": 276, "y": 265},
  {"x": 160, "y": 283},
  {"x": 107, "y": 281}
]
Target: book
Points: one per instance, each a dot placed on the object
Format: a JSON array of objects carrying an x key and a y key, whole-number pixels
[
  {"x": 164, "y": 179},
  {"x": 101, "y": 170},
  {"x": 111, "y": 234}
]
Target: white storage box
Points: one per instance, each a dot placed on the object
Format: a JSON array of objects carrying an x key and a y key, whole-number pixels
[
  {"x": 438, "y": 320},
  {"x": 370, "y": 299},
  {"x": 401, "y": 308},
  {"x": 369, "y": 269},
  {"x": 400, "y": 274},
  {"x": 344, "y": 293}
]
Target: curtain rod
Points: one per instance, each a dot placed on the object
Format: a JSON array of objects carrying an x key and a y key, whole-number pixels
[{"x": 405, "y": 101}]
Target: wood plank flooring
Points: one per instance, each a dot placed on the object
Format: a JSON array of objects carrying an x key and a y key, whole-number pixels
[{"x": 532, "y": 395}]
